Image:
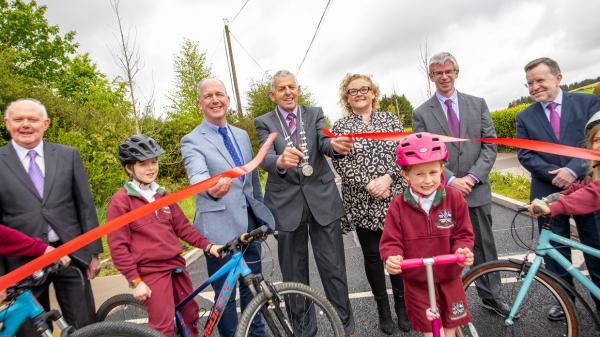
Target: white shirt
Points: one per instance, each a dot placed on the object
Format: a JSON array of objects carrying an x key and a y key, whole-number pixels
[
  {"x": 147, "y": 194},
  {"x": 558, "y": 101},
  {"x": 424, "y": 202},
  {"x": 22, "y": 153},
  {"x": 453, "y": 98}
]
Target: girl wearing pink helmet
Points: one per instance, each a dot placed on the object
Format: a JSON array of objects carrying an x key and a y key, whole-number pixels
[{"x": 428, "y": 219}]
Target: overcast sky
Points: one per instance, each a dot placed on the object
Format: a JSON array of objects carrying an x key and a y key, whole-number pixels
[{"x": 492, "y": 41}]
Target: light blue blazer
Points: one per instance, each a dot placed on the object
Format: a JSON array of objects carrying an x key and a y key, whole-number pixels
[{"x": 205, "y": 155}]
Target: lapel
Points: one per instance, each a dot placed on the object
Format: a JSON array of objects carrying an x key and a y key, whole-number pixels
[
  {"x": 217, "y": 141},
  {"x": 12, "y": 161},
  {"x": 540, "y": 118},
  {"x": 238, "y": 138},
  {"x": 50, "y": 162},
  {"x": 464, "y": 117},
  {"x": 277, "y": 118},
  {"x": 440, "y": 117},
  {"x": 565, "y": 114}
]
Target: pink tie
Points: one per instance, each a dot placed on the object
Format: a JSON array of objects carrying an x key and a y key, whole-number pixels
[
  {"x": 291, "y": 118},
  {"x": 452, "y": 119},
  {"x": 554, "y": 119}
]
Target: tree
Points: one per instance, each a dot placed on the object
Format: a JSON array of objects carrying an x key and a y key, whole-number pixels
[
  {"x": 400, "y": 106},
  {"x": 190, "y": 70},
  {"x": 40, "y": 53},
  {"x": 424, "y": 65}
]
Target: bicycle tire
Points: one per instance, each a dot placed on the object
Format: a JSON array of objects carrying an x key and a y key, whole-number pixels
[
  {"x": 533, "y": 315},
  {"x": 330, "y": 327},
  {"x": 116, "y": 329},
  {"x": 124, "y": 308}
]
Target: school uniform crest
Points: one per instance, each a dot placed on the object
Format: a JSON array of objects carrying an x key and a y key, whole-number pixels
[
  {"x": 445, "y": 219},
  {"x": 458, "y": 311}
]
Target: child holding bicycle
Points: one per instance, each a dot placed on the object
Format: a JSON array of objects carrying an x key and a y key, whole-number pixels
[
  {"x": 147, "y": 251},
  {"x": 428, "y": 219},
  {"x": 581, "y": 197}
]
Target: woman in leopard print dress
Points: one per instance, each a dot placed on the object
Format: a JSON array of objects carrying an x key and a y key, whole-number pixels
[{"x": 370, "y": 177}]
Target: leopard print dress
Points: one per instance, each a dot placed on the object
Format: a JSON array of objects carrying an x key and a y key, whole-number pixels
[{"x": 367, "y": 160}]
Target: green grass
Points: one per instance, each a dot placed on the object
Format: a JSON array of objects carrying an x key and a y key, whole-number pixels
[
  {"x": 587, "y": 89},
  {"x": 510, "y": 185}
]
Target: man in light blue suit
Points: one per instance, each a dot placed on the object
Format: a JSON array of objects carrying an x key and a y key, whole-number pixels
[{"x": 231, "y": 207}]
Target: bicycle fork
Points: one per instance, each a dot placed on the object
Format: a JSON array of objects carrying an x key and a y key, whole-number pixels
[
  {"x": 526, "y": 283},
  {"x": 272, "y": 300}
]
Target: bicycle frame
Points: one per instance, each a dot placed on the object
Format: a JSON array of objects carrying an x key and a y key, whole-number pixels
[
  {"x": 234, "y": 268},
  {"x": 544, "y": 248},
  {"x": 13, "y": 315}
]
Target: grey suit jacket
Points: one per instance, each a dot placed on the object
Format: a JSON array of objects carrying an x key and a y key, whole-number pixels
[
  {"x": 67, "y": 204},
  {"x": 285, "y": 193},
  {"x": 471, "y": 157},
  {"x": 205, "y": 155}
]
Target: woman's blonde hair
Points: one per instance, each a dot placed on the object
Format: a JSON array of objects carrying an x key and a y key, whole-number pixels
[
  {"x": 344, "y": 91},
  {"x": 589, "y": 140}
]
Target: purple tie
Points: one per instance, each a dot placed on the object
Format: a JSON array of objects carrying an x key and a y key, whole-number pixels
[
  {"x": 35, "y": 173},
  {"x": 554, "y": 119},
  {"x": 291, "y": 118},
  {"x": 452, "y": 119}
]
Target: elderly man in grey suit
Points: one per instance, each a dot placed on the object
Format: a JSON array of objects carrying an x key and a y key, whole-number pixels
[
  {"x": 457, "y": 114},
  {"x": 302, "y": 194},
  {"x": 44, "y": 193},
  {"x": 231, "y": 207}
]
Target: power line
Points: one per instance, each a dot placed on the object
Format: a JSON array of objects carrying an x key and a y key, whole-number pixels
[
  {"x": 246, "y": 51},
  {"x": 238, "y": 13},
  {"x": 314, "y": 36}
]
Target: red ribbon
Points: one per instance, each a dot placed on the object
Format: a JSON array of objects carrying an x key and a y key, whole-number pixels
[
  {"x": 88, "y": 237},
  {"x": 527, "y": 144}
]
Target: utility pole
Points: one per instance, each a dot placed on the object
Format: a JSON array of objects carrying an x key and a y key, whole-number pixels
[{"x": 235, "y": 83}]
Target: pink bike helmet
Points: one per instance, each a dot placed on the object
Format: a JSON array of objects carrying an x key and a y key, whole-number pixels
[{"x": 419, "y": 148}]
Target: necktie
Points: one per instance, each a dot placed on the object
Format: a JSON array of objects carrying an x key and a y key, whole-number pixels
[
  {"x": 291, "y": 118},
  {"x": 554, "y": 119},
  {"x": 452, "y": 119},
  {"x": 35, "y": 173},
  {"x": 230, "y": 148}
]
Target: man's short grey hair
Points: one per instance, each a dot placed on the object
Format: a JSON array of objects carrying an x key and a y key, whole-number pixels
[
  {"x": 553, "y": 65},
  {"x": 282, "y": 73},
  {"x": 441, "y": 58},
  {"x": 33, "y": 101},
  {"x": 208, "y": 79}
]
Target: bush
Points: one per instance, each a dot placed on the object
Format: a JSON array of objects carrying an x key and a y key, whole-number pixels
[
  {"x": 505, "y": 123},
  {"x": 510, "y": 185}
]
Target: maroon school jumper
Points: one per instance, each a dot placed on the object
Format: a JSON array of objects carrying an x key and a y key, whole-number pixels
[
  {"x": 580, "y": 198},
  {"x": 149, "y": 248},
  {"x": 15, "y": 243},
  {"x": 411, "y": 233}
]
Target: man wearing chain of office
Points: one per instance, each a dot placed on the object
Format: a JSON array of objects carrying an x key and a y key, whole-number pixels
[{"x": 302, "y": 195}]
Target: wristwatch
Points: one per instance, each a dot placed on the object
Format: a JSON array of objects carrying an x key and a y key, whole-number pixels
[{"x": 135, "y": 282}]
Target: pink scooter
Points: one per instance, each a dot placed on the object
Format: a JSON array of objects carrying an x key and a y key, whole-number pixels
[{"x": 428, "y": 263}]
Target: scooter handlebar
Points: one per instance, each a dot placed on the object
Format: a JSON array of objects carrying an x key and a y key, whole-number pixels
[{"x": 440, "y": 259}]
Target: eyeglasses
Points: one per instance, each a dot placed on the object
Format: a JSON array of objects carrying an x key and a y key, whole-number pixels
[
  {"x": 438, "y": 74},
  {"x": 362, "y": 90}
]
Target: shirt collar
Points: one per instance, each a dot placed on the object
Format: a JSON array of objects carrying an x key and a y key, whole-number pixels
[
  {"x": 215, "y": 127},
  {"x": 558, "y": 100},
  {"x": 133, "y": 189},
  {"x": 284, "y": 113},
  {"x": 442, "y": 99},
  {"x": 22, "y": 152}
]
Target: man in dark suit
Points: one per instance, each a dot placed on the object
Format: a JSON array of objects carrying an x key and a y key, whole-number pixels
[
  {"x": 557, "y": 117},
  {"x": 44, "y": 193},
  {"x": 457, "y": 114},
  {"x": 231, "y": 207},
  {"x": 305, "y": 200}
]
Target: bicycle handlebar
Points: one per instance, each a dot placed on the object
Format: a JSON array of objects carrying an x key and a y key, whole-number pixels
[
  {"x": 35, "y": 279},
  {"x": 245, "y": 238},
  {"x": 440, "y": 259}
]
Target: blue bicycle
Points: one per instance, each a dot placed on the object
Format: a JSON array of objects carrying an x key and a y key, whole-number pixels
[
  {"x": 288, "y": 309},
  {"x": 20, "y": 305},
  {"x": 530, "y": 291}
]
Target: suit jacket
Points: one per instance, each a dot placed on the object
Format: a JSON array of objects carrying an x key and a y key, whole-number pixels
[
  {"x": 205, "y": 155},
  {"x": 532, "y": 123},
  {"x": 67, "y": 204},
  {"x": 464, "y": 158},
  {"x": 285, "y": 193}
]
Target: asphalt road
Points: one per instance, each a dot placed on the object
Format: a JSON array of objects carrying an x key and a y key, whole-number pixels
[{"x": 363, "y": 305}]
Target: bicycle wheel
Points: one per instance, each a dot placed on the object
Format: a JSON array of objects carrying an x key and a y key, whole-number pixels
[
  {"x": 532, "y": 318},
  {"x": 311, "y": 315},
  {"x": 116, "y": 329},
  {"x": 124, "y": 308}
]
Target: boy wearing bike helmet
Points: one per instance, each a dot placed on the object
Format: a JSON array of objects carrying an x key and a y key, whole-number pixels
[
  {"x": 428, "y": 219},
  {"x": 147, "y": 251},
  {"x": 581, "y": 197}
]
